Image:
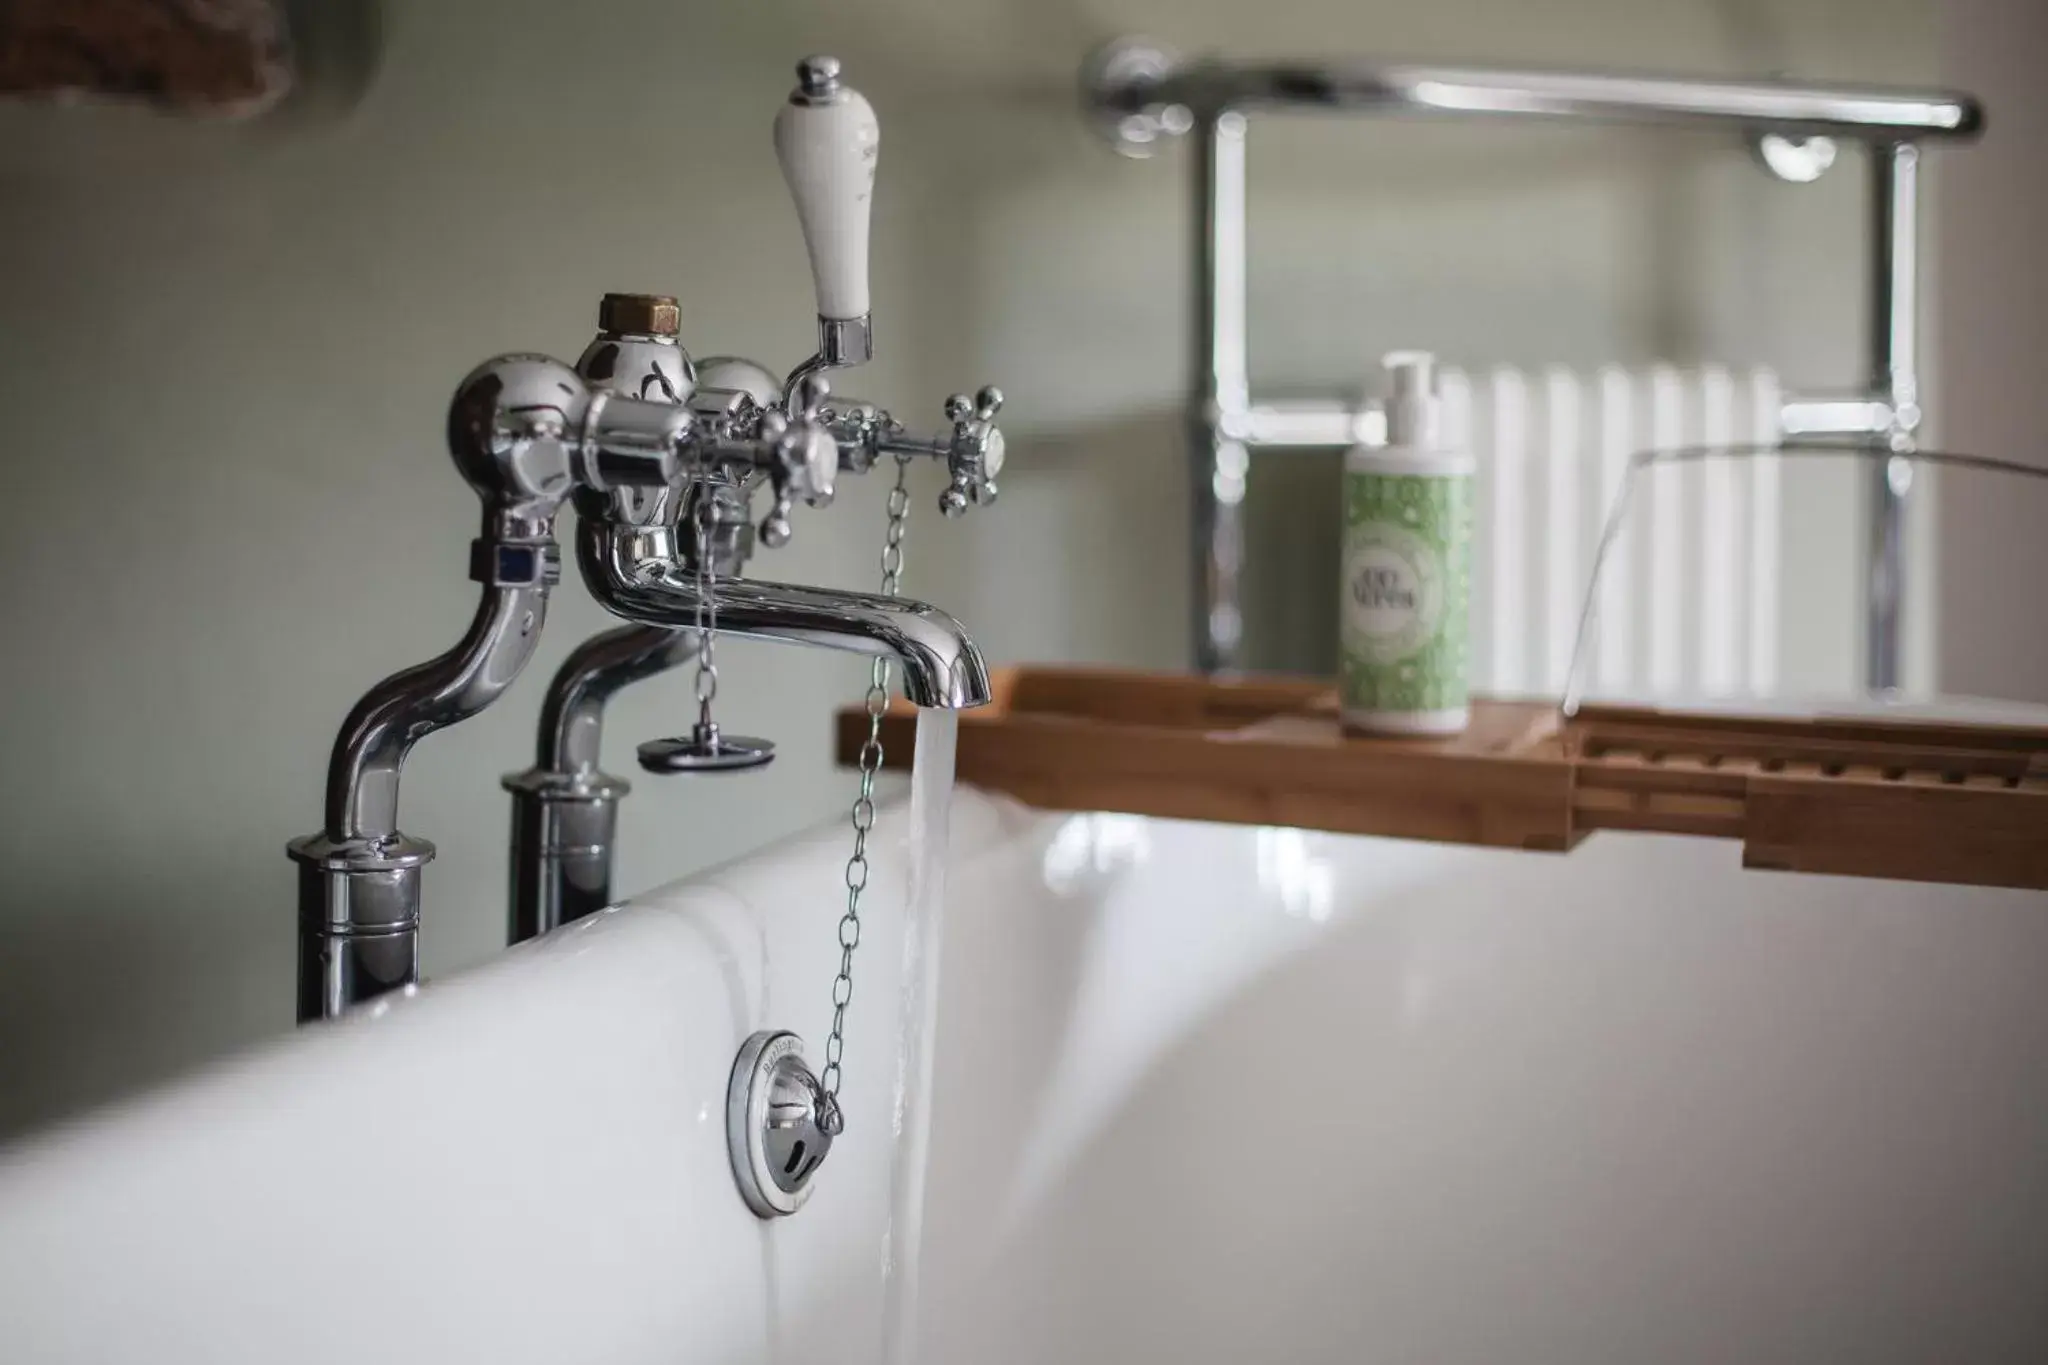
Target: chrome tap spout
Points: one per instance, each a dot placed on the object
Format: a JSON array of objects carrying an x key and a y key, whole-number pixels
[{"x": 632, "y": 576}]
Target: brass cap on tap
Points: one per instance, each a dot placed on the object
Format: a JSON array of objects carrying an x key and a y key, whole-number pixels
[{"x": 652, "y": 315}]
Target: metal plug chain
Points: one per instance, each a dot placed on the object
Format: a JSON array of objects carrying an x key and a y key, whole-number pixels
[
  {"x": 830, "y": 1118},
  {"x": 706, "y": 749},
  {"x": 707, "y": 606}
]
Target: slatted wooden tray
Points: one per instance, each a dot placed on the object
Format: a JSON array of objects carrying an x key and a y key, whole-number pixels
[{"x": 1883, "y": 798}]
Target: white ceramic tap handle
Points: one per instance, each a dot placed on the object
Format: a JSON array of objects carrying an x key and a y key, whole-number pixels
[{"x": 826, "y": 139}]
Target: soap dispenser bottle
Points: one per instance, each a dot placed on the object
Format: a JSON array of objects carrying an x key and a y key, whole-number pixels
[{"x": 1407, "y": 553}]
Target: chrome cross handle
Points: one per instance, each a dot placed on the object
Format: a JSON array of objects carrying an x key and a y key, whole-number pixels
[
  {"x": 975, "y": 455},
  {"x": 973, "y": 450},
  {"x": 805, "y": 458}
]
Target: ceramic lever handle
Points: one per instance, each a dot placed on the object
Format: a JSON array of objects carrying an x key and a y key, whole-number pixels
[{"x": 826, "y": 139}]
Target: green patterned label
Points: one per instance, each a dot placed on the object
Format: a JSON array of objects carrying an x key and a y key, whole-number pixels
[{"x": 1407, "y": 579}]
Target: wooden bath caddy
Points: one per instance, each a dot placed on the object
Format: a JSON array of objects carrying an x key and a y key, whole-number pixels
[{"x": 1913, "y": 800}]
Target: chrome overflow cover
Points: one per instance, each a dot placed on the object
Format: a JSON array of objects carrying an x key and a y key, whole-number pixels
[{"x": 779, "y": 1123}]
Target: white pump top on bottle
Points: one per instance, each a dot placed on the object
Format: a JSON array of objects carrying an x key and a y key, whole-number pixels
[
  {"x": 1416, "y": 440},
  {"x": 1414, "y": 412}
]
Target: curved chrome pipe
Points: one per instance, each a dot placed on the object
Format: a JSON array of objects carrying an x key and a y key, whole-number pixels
[
  {"x": 572, "y": 716},
  {"x": 370, "y": 750},
  {"x": 565, "y": 808},
  {"x": 634, "y": 575},
  {"x": 359, "y": 877}
]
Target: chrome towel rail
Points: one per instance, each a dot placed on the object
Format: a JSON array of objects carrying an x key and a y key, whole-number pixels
[{"x": 1139, "y": 95}]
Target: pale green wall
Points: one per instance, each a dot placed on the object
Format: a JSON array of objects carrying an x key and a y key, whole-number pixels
[
  {"x": 1991, "y": 343},
  {"x": 227, "y": 352}
]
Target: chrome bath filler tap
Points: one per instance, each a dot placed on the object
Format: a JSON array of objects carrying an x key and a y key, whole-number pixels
[{"x": 663, "y": 457}]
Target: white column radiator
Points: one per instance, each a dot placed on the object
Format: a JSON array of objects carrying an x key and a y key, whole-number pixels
[{"x": 1688, "y": 601}]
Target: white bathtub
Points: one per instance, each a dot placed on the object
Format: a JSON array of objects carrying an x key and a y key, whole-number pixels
[{"x": 1204, "y": 1093}]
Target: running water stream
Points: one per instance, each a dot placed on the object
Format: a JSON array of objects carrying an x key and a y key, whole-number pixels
[{"x": 931, "y": 799}]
